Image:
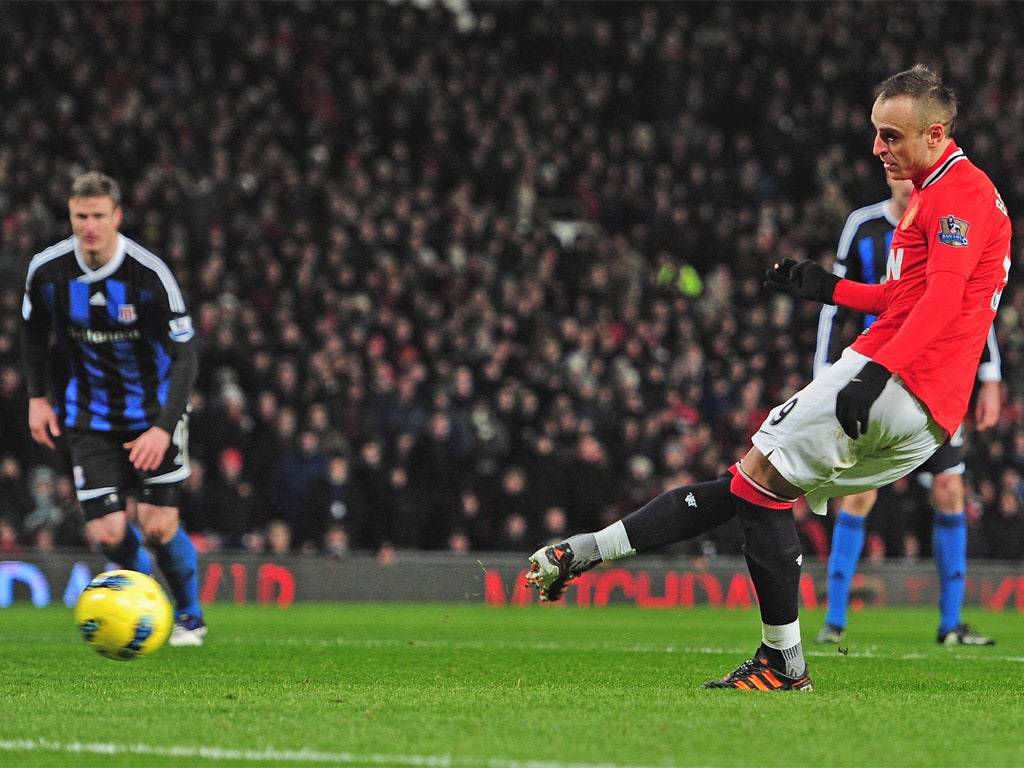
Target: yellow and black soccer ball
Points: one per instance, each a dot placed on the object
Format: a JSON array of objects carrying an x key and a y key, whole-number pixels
[{"x": 124, "y": 615}]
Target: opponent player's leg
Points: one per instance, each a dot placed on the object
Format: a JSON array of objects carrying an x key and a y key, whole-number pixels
[
  {"x": 949, "y": 542},
  {"x": 847, "y": 545},
  {"x": 178, "y": 560},
  {"x": 176, "y": 555},
  {"x": 97, "y": 460},
  {"x": 119, "y": 541}
]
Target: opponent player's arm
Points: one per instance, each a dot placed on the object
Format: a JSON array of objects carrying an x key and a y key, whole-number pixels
[
  {"x": 991, "y": 366},
  {"x": 830, "y": 319},
  {"x": 183, "y": 376},
  {"x": 35, "y": 344},
  {"x": 989, "y": 400},
  {"x": 42, "y": 419},
  {"x": 146, "y": 452}
]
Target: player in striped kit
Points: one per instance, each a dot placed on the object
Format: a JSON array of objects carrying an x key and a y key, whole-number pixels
[
  {"x": 861, "y": 256},
  {"x": 123, "y": 344}
]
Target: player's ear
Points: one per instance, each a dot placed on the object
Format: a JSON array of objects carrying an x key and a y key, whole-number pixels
[
  {"x": 936, "y": 134},
  {"x": 118, "y": 217}
]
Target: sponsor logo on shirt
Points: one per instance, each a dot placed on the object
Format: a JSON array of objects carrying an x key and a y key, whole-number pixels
[
  {"x": 91, "y": 336},
  {"x": 953, "y": 231}
]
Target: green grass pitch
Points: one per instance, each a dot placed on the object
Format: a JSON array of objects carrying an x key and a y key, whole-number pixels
[{"x": 517, "y": 687}]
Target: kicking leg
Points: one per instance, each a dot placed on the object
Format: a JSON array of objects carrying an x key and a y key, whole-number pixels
[{"x": 672, "y": 516}]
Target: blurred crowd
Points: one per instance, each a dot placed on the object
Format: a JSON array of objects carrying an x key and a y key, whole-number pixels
[{"x": 468, "y": 276}]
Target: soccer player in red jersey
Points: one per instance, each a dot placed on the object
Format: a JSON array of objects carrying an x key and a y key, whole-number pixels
[
  {"x": 896, "y": 394},
  {"x": 862, "y": 255}
]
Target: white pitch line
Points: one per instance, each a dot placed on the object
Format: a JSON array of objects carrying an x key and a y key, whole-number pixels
[
  {"x": 876, "y": 652},
  {"x": 282, "y": 755}
]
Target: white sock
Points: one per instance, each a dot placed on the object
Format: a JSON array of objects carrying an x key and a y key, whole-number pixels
[
  {"x": 613, "y": 543},
  {"x": 786, "y": 638}
]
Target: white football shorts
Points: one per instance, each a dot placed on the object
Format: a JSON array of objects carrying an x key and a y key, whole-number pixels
[{"x": 804, "y": 442}]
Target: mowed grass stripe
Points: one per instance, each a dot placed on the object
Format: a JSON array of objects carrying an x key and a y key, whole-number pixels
[{"x": 468, "y": 685}]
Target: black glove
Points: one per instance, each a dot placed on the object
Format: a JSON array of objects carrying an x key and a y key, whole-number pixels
[
  {"x": 854, "y": 400},
  {"x": 805, "y": 279}
]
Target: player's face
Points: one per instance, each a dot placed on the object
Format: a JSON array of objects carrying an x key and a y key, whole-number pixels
[
  {"x": 95, "y": 221},
  {"x": 904, "y": 147}
]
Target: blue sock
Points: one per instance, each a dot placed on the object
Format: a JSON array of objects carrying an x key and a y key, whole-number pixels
[
  {"x": 130, "y": 553},
  {"x": 179, "y": 563},
  {"x": 847, "y": 544},
  {"x": 949, "y": 546}
]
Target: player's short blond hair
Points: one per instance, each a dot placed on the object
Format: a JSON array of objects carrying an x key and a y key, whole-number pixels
[{"x": 96, "y": 184}]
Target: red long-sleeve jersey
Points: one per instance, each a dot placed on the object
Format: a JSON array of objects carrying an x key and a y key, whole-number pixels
[{"x": 947, "y": 267}]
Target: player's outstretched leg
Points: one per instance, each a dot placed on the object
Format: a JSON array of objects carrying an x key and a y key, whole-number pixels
[
  {"x": 672, "y": 516},
  {"x": 685, "y": 512},
  {"x": 553, "y": 567}
]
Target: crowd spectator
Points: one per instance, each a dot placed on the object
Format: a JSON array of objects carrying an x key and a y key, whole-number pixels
[
  {"x": 279, "y": 538},
  {"x": 234, "y": 509},
  {"x": 194, "y": 502},
  {"x": 42, "y": 487},
  {"x": 15, "y": 499},
  {"x": 513, "y": 495},
  {"x": 436, "y": 474},
  {"x": 9, "y": 544},
  {"x": 293, "y": 478},
  {"x": 332, "y": 503},
  {"x": 457, "y": 238}
]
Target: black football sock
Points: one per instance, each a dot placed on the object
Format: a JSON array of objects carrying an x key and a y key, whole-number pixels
[
  {"x": 680, "y": 514},
  {"x": 129, "y": 553},
  {"x": 772, "y": 552}
]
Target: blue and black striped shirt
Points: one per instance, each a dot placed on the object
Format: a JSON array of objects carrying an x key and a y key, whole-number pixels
[{"x": 114, "y": 332}]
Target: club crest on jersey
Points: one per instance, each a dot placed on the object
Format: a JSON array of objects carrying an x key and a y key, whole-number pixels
[
  {"x": 908, "y": 219},
  {"x": 126, "y": 314},
  {"x": 953, "y": 231}
]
